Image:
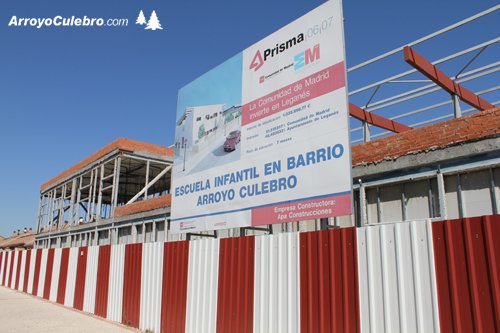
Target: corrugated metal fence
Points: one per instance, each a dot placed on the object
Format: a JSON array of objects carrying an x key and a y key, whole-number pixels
[{"x": 401, "y": 277}]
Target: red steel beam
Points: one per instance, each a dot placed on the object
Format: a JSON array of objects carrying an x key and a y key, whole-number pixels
[
  {"x": 421, "y": 64},
  {"x": 376, "y": 120}
]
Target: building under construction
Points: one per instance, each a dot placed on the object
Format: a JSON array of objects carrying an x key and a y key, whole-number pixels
[{"x": 120, "y": 194}]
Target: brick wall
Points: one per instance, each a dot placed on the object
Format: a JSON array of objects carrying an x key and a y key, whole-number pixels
[
  {"x": 480, "y": 125},
  {"x": 144, "y": 205}
]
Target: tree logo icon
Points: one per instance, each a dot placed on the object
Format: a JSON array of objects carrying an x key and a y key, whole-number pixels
[
  {"x": 141, "y": 19},
  {"x": 152, "y": 24}
]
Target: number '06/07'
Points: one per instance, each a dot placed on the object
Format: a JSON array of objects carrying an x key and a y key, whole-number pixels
[{"x": 317, "y": 29}]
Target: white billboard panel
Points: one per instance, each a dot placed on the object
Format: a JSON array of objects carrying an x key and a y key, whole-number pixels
[{"x": 264, "y": 137}]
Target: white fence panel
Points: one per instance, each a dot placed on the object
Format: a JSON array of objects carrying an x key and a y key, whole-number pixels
[
  {"x": 31, "y": 274},
  {"x": 203, "y": 272},
  {"x": 115, "y": 293},
  {"x": 276, "y": 291},
  {"x": 14, "y": 269},
  {"x": 151, "y": 286},
  {"x": 396, "y": 278},
  {"x": 7, "y": 268},
  {"x": 2, "y": 265},
  {"x": 56, "y": 268},
  {"x": 69, "y": 296},
  {"x": 91, "y": 279},
  {"x": 43, "y": 270}
]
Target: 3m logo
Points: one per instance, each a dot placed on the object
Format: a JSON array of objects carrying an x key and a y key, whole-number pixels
[
  {"x": 257, "y": 61},
  {"x": 305, "y": 58}
]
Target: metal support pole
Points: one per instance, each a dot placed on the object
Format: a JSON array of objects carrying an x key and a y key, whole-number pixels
[
  {"x": 134, "y": 233},
  {"x": 89, "y": 199},
  {"x": 153, "y": 231},
  {"x": 72, "y": 202},
  {"x": 116, "y": 183},
  {"x": 456, "y": 106},
  {"x": 403, "y": 203},
  {"x": 113, "y": 236},
  {"x": 366, "y": 131},
  {"x": 430, "y": 197},
  {"x": 39, "y": 214},
  {"x": 461, "y": 210},
  {"x": 78, "y": 203},
  {"x": 99, "y": 199},
  {"x": 443, "y": 212},
  {"x": 493, "y": 194},
  {"x": 362, "y": 204},
  {"x": 50, "y": 213},
  {"x": 379, "y": 206},
  {"x": 166, "y": 228},
  {"x": 94, "y": 195},
  {"x": 60, "y": 220},
  {"x": 44, "y": 222},
  {"x": 143, "y": 227},
  {"x": 323, "y": 224},
  {"x": 147, "y": 180}
]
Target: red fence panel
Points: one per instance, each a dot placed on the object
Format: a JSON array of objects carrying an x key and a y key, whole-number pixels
[
  {"x": 102, "y": 284},
  {"x": 132, "y": 285},
  {"x": 63, "y": 276},
  {"x": 18, "y": 269},
  {"x": 236, "y": 285},
  {"x": 1, "y": 267},
  {"x": 11, "y": 269},
  {"x": 36, "y": 275},
  {"x": 4, "y": 272},
  {"x": 27, "y": 270},
  {"x": 467, "y": 263},
  {"x": 174, "y": 286},
  {"x": 81, "y": 271},
  {"x": 5, "y": 268},
  {"x": 492, "y": 230},
  {"x": 48, "y": 274},
  {"x": 329, "y": 299}
]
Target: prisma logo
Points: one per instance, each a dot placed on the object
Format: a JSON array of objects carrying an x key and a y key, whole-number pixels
[
  {"x": 258, "y": 60},
  {"x": 306, "y": 57}
]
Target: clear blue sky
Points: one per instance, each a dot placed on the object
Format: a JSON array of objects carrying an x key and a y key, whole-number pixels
[{"x": 65, "y": 93}]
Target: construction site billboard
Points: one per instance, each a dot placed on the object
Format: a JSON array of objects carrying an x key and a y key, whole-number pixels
[{"x": 264, "y": 137}]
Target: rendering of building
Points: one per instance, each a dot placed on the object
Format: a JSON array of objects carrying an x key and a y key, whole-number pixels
[
  {"x": 197, "y": 124},
  {"x": 200, "y": 133}
]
